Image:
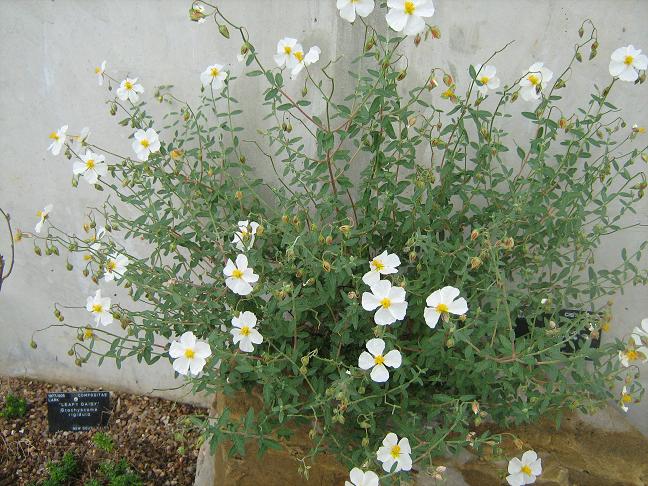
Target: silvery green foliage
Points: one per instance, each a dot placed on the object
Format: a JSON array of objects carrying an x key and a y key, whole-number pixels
[{"x": 513, "y": 224}]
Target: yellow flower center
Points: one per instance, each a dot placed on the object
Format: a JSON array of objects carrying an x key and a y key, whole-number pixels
[
  {"x": 90, "y": 163},
  {"x": 534, "y": 79},
  {"x": 128, "y": 85},
  {"x": 97, "y": 308},
  {"x": 97, "y": 70},
  {"x": 87, "y": 334},
  {"x": 484, "y": 79},
  {"x": 628, "y": 60},
  {"x": 236, "y": 273},
  {"x": 626, "y": 398},
  {"x": 87, "y": 258},
  {"x": 378, "y": 265},
  {"x": 54, "y": 136},
  {"x": 395, "y": 451},
  {"x": 214, "y": 72},
  {"x": 442, "y": 308},
  {"x": 526, "y": 470},
  {"x": 145, "y": 143},
  {"x": 299, "y": 56},
  {"x": 189, "y": 353},
  {"x": 380, "y": 359},
  {"x": 386, "y": 303},
  {"x": 409, "y": 8},
  {"x": 39, "y": 214},
  {"x": 287, "y": 50},
  {"x": 111, "y": 265},
  {"x": 245, "y": 331},
  {"x": 632, "y": 355}
]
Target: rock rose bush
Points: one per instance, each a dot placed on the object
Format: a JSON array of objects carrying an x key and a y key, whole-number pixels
[{"x": 398, "y": 286}]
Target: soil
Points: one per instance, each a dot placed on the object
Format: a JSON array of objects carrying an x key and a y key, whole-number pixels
[{"x": 147, "y": 432}]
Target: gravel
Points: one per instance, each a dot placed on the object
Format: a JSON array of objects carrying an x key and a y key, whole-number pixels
[{"x": 148, "y": 432}]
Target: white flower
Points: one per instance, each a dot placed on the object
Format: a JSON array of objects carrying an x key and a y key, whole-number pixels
[
  {"x": 524, "y": 471},
  {"x": 58, "y": 139},
  {"x": 92, "y": 166},
  {"x": 396, "y": 452},
  {"x": 244, "y": 237},
  {"x": 244, "y": 332},
  {"x": 43, "y": 215},
  {"x": 145, "y": 143},
  {"x": 241, "y": 58},
  {"x": 377, "y": 361},
  {"x": 189, "y": 354},
  {"x": 625, "y": 399},
  {"x": 128, "y": 90},
  {"x": 441, "y": 303},
  {"x": 239, "y": 276},
  {"x": 635, "y": 352},
  {"x": 383, "y": 264},
  {"x": 115, "y": 266},
  {"x": 302, "y": 60},
  {"x": 407, "y": 15},
  {"x": 99, "y": 72},
  {"x": 534, "y": 81},
  {"x": 79, "y": 141},
  {"x": 626, "y": 61},
  {"x": 487, "y": 76},
  {"x": 349, "y": 8},
  {"x": 359, "y": 478},
  {"x": 214, "y": 76},
  {"x": 390, "y": 302},
  {"x": 285, "y": 49},
  {"x": 99, "y": 307},
  {"x": 640, "y": 333}
]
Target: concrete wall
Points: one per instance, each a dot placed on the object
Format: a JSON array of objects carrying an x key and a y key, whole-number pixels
[{"x": 48, "y": 50}]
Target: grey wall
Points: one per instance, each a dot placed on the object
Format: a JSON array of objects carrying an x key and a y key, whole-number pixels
[{"x": 48, "y": 50}]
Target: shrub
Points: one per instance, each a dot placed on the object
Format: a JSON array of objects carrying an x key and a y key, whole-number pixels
[
  {"x": 443, "y": 266},
  {"x": 14, "y": 407}
]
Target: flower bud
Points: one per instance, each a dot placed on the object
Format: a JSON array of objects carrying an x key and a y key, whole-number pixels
[
  {"x": 329, "y": 240},
  {"x": 417, "y": 40},
  {"x": 432, "y": 83},
  {"x": 435, "y": 31},
  {"x": 304, "y": 91},
  {"x": 284, "y": 218},
  {"x": 238, "y": 195},
  {"x": 309, "y": 282},
  {"x": 352, "y": 295},
  {"x": 475, "y": 263},
  {"x": 33, "y": 344},
  {"x": 579, "y": 57},
  {"x": 474, "y": 234},
  {"x": 345, "y": 229},
  {"x": 224, "y": 31},
  {"x": 326, "y": 266},
  {"x": 365, "y": 442},
  {"x": 37, "y": 250},
  {"x": 412, "y": 256},
  {"x": 447, "y": 79}
]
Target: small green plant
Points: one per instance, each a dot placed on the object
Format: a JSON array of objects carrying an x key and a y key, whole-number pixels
[
  {"x": 103, "y": 441},
  {"x": 61, "y": 472},
  {"x": 14, "y": 407},
  {"x": 119, "y": 474},
  {"x": 92, "y": 482}
]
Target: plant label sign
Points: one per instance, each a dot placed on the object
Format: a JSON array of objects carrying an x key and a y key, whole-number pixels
[{"x": 77, "y": 411}]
